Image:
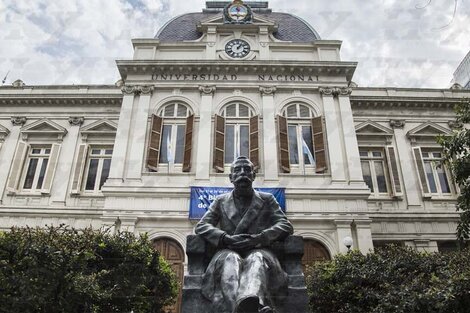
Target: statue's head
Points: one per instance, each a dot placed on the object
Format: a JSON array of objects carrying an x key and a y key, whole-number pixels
[{"x": 242, "y": 172}]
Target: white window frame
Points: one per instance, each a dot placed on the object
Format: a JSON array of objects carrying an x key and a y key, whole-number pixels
[
  {"x": 299, "y": 122},
  {"x": 101, "y": 157},
  {"x": 174, "y": 121},
  {"x": 433, "y": 161},
  {"x": 41, "y": 157},
  {"x": 237, "y": 121},
  {"x": 372, "y": 160}
]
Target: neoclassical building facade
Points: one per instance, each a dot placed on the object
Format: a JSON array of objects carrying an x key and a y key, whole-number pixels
[{"x": 234, "y": 79}]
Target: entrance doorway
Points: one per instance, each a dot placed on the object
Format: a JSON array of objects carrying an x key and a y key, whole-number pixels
[
  {"x": 314, "y": 251},
  {"x": 172, "y": 252}
]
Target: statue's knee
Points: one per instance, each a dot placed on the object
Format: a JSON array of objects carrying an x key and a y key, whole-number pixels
[
  {"x": 232, "y": 257},
  {"x": 255, "y": 256}
]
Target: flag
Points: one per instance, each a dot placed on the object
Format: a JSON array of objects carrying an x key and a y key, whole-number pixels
[
  {"x": 306, "y": 151},
  {"x": 169, "y": 155}
]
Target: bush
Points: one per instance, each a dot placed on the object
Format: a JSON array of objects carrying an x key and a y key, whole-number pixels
[
  {"x": 392, "y": 280},
  {"x": 68, "y": 271}
]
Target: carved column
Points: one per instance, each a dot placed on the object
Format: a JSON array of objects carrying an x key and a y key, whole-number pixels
[
  {"x": 203, "y": 153},
  {"x": 404, "y": 151},
  {"x": 8, "y": 151},
  {"x": 138, "y": 134},
  {"x": 66, "y": 161},
  {"x": 116, "y": 174},
  {"x": 349, "y": 134},
  {"x": 334, "y": 136},
  {"x": 270, "y": 153}
]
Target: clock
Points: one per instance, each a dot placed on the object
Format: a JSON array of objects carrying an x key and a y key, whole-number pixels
[{"x": 237, "y": 48}]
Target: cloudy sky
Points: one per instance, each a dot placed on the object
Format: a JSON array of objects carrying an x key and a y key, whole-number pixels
[{"x": 398, "y": 43}]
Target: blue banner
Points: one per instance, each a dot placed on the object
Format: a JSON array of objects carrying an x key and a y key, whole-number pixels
[{"x": 202, "y": 197}]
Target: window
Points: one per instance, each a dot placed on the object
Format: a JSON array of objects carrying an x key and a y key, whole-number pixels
[
  {"x": 374, "y": 171},
  {"x": 236, "y": 134},
  {"x": 36, "y": 167},
  {"x": 237, "y": 141},
  {"x": 171, "y": 138},
  {"x": 301, "y": 155},
  {"x": 436, "y": 172},
  {"x": 97, "y": 168}
]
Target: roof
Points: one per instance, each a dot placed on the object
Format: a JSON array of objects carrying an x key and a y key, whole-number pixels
[{"x": 290, "y": 27}]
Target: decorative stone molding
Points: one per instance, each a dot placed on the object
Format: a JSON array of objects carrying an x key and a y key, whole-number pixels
[
  {"x": 18, "y": 120},
  {"x": 129, "y": 90},
  {"x": 207, "y": 90},
  {"x": 343, "y": 91},
  {"x": 455, "y": 125},
  {"x": 397, "y": 123},
  {"x": 18, "y": 83},
  {"x": 3, "y": 133},
  {"x": 76, "y": 121},
  {"x": 267, "y": 91},
  {"x": 145, "y": 90},
  {"x": 327, "y": 91},
  {"x": 44, "y": 127}
]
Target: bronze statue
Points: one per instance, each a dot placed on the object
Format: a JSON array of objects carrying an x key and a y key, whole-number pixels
[{"x": 244, "y": 276}]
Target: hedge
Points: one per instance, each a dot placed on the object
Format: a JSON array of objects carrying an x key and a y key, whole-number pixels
[
  {"x": 392, "y": 280},
  {"x": 64, "y": 270}
]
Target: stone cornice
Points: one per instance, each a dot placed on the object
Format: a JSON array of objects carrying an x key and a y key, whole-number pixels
[
  {"x": 322, "y": 68},
  {"x": 60, "y": 100},
  {"x": 403, "y": 102}
]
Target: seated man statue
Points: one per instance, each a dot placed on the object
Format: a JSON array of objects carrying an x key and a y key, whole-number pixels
[{"x": 244, "y": 275}]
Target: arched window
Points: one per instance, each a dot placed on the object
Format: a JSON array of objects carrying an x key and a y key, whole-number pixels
[
  {"x": 236, "y": 135},
  {"x": 301, "y": 140},
  {"x": 171, "y": 139}
]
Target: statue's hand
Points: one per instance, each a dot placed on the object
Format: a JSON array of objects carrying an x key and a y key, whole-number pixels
[
  {"x": 248, "y": 242},
  {"x": 231, "y": 240}
]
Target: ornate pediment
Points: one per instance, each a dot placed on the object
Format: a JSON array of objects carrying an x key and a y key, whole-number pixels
[
  {"x": 371, "y": 128},
  {"x": 3, "y": 133},
  {"x": 101, "y": 128},
  {"x": 44, "y": 128},
  {"x": 428, "y": 130}
]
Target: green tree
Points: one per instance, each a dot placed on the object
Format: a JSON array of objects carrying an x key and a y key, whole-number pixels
[
  {"x": 457, "y": 158},
  {"x": 63, "y": 270}
]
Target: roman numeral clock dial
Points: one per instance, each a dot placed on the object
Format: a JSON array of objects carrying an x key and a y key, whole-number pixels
[{"x": 237, "y": 48}]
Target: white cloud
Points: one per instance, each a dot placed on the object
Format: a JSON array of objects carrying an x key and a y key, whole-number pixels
[{"x": 73, "y": 41}]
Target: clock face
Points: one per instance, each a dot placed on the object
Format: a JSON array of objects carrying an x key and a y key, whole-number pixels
[
  {"x": 237, "y": 12},
  {"x": 237, "y": 48}
]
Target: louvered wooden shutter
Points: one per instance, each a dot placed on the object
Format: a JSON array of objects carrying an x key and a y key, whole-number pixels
[
  {"x": 421, "y": 172},
  {"x": 219, "y": 144},
  {"x": 318, "y": 133},
  {"x": 254, "y": 141},
  {"x": 188, "y": 143},
  {"x": 393, "y": 170},
  {"x": 79, "y": 169},
  {"x": 154, "y": 143},
  {"x": 283, "y": 144},
  {"x": 17, "y": 166},
  {"x": 51, "y": 168}
]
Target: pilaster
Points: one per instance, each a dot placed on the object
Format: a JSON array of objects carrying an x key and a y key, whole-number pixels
[
  {"x": 203, "y": 153},
  {"x": 8, "y": 151},
  {"x": 349, "y": 134},
  {"x": 364, "y": 236},
  {"x": 116, "y": 175},
  {"x": 333, "y": 131},
  {"x": 65, "y": 162},
  {"x": 139, "y": 131},
  {"x": 343, "y": 229},
  {"x": 270, "y": 153},
  {"x": 410, "y": 180}
]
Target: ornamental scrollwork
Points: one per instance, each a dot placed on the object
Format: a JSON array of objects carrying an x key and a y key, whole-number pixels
[
  {"x": 18, "y": 120},
  {"x": 207, "y": 90},
  {"x": 455, "y": 125},
  {"x": 397, "y": 123},
  {"x": 327, "y": 91},
  {"x": 267, "y": 91},
  {"x": 145, "y": 90},
  {"x": 76, "y": 121},
  {"x": 129, "y": 90}
]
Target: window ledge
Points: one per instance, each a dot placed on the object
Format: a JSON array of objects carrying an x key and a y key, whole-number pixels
[
  {"x": 88, "y": 195},
  {"x": 385, "y": 198},
  {"x": 440, "y": 197},
  {"x": 28, "y": 194}
]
